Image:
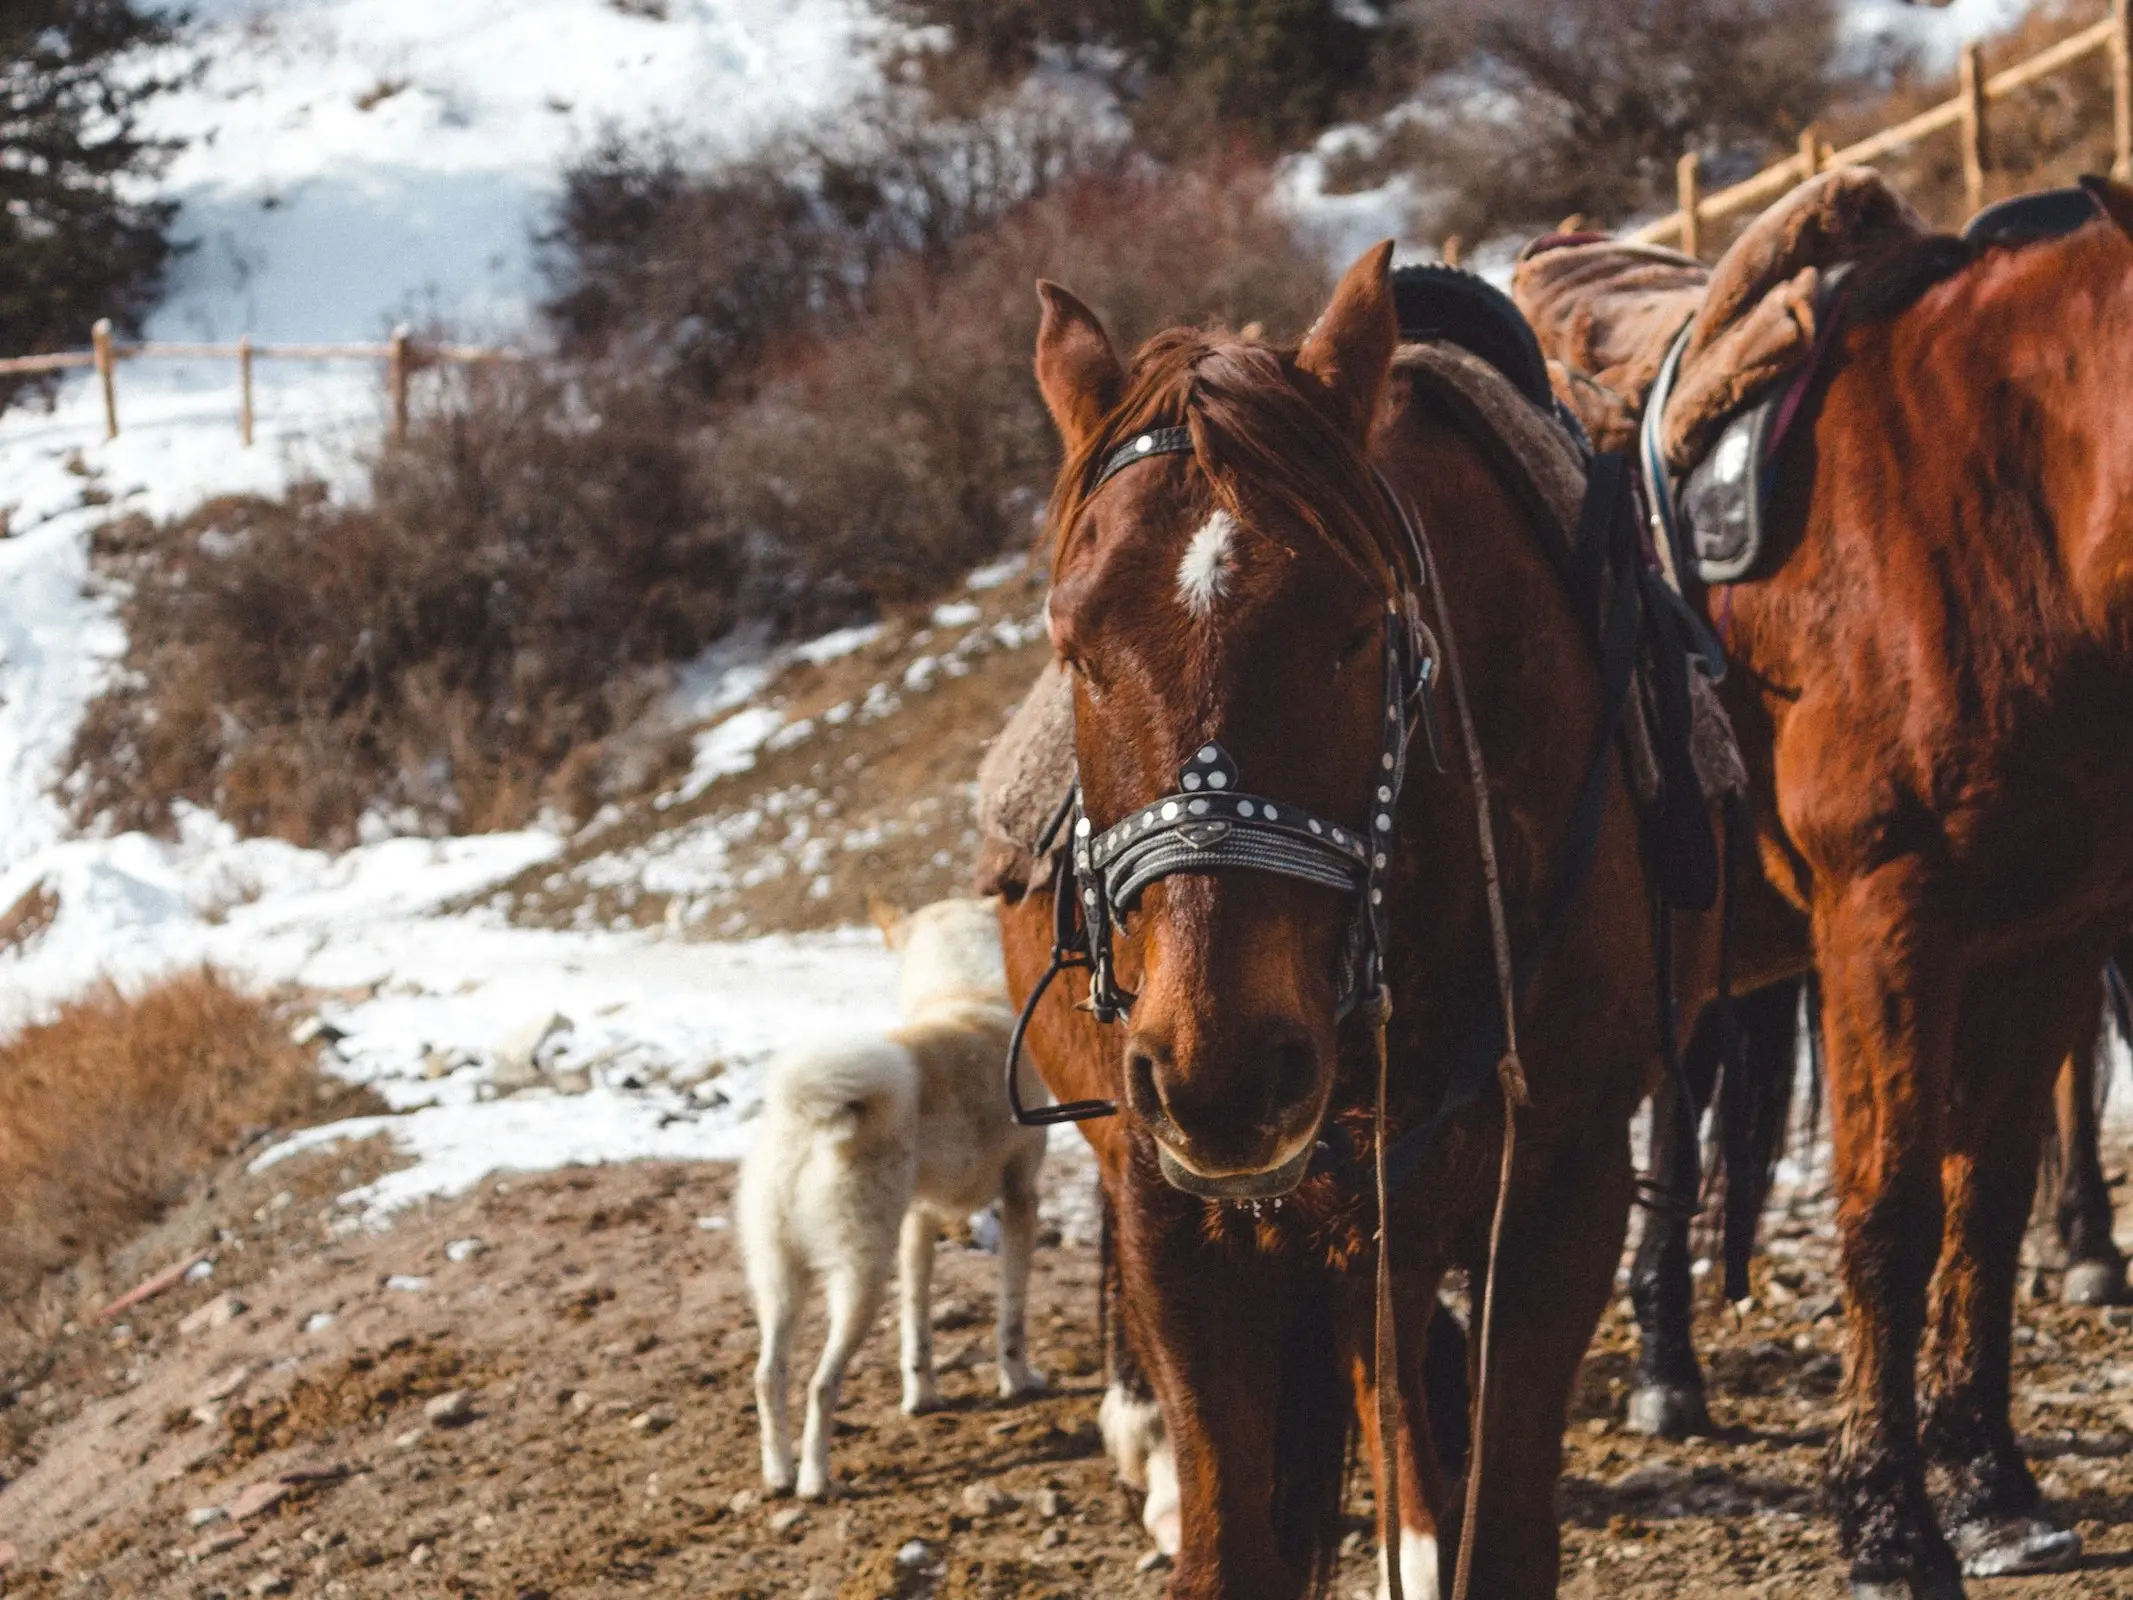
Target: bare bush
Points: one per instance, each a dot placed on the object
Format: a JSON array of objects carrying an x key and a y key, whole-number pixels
[
  {"x": 1531, "y": 110},
  {"x": 466, "y": 645},
  {"x": 891, "y": 461},
  {"x": 1194, "y": 74},
  {"x": 110, "y": 1108},
  {"x": 694, "y": 268},
  {"x": 524, "y": 556}
]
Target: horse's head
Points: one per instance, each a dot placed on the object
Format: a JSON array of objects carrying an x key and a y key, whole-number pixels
[{"x": 1222, "y": 573}]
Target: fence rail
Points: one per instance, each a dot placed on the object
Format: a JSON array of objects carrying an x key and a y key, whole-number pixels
[
  {"x": 1967, "y": 112},
  {"x": 402, "y": 353}
]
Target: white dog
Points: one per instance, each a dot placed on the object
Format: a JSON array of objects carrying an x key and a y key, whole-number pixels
[{"x": 863, "y": 1140}]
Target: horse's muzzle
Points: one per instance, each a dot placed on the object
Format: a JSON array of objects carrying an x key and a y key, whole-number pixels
[{"x": 1267, "y": 1185}]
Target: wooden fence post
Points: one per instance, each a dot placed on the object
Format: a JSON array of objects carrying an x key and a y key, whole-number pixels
[
  {"x": 1810, "y": 152},
  {"x": 1976, "y": 153},
  {"x": 1453, "y": 249},
  {"x": 1688, "y": 187},
  {"x": 2122, "y": 90},
  {"x": 396, "y": 380},
  {"x": 244, "y": 387},
  {"x": 107, "y": 374}
]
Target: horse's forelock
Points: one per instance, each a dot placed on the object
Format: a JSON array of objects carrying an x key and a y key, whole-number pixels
[{"x": 1264, "y": 441}]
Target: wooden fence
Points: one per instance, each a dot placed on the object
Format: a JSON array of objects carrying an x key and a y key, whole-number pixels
[
  {"x": 402, "y": 354},
  {"x": 1968, "y": 111}
]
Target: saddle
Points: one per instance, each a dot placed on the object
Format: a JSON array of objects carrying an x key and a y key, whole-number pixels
[
  {"x": 1706, "y": 367},
  {"x": 1470, "y": 350},
  {"x": 1705, "y": 370}
]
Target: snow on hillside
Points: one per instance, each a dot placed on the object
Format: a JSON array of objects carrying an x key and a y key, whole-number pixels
[
  {"x": 1872, "y": 32},
  {"x": 349, "y": 164}
]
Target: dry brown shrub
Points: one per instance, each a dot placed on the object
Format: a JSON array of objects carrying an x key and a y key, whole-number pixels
[
  {"x": 890, "y": 461},
  {"x": 110, "y": 1108},
  {"x": 523, "y": 558},
  {"x": 480, "y": 637}
]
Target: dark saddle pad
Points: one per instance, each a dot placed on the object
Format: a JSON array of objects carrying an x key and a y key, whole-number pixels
[
  {"x": 2027, "y": 218},
  {"x": 1447, "y": 305}
]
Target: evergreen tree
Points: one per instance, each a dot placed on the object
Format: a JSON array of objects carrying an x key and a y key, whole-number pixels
[{"x": 77, "y": 239}]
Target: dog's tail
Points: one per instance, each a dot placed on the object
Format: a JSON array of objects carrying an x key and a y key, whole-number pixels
[{"x": 843, "y": 1090}]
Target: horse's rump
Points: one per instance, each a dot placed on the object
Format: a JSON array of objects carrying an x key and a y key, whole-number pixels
[{"x": 1607, "y": 312}]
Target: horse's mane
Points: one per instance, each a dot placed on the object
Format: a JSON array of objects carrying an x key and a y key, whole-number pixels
[
  {"x": 1260, "y": 436},
  {"x": 1889, "y": 282}
]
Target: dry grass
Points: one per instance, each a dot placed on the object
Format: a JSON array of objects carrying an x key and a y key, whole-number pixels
[{"x": 109, "y": 1110}]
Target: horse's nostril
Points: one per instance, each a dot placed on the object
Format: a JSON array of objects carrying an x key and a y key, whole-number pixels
[
  {"x": 1141, "y": 1092},
  {"x": 1295, "y": 1071}
]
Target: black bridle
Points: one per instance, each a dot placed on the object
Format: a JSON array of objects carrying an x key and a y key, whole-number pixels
[{"x": 1210, "y": 824}]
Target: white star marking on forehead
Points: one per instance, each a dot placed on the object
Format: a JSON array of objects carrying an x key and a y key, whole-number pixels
[{"x": 1203, "y": 572}]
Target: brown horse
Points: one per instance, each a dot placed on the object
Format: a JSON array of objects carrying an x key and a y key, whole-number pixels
[
  {"x": 1229, "y": 595},
  {"x": 1932, "y": 691}
]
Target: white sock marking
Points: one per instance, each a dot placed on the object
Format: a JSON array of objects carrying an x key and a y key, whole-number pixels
[
  {"x": 1418, "y": 1566},
  {"x": 1203, "y": 573}
]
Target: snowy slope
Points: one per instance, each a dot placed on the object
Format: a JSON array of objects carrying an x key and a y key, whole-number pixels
[
  {"x": 351, "y": 163},
  {"x": 314, "y": 218}
]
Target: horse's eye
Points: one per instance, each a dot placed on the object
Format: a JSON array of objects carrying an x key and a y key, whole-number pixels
[
  {"x": 1356, "y": 645},
  {"x": 1089, "y": 680}
]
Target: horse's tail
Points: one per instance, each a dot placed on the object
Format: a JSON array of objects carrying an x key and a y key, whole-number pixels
[
  {"x": 1754, "y": 1107},
  {"x": 1314, "y": 1429}
]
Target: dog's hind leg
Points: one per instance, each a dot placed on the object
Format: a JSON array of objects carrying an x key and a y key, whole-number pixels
[
  {"x": 774, "y": 1283},
  {"x": 1018, "y": 1242},
  {"x": 854, "y": 1292},
  {"x": 916, "y": 1287}
]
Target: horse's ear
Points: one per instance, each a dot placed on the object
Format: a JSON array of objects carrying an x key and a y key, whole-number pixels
[
  {"x": 2115, "y": 198},
  {"x": 1349, "y": 349},
  {"x": 1076, "y": 368}
]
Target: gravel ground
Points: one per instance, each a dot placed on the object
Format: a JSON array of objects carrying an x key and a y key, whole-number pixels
[{"x": 542, "y": 1388}]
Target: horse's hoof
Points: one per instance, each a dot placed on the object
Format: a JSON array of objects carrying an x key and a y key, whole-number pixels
[
  {"x": 1923, "y": 1586},
  {"x": 1668, "y": 1411},
  {"x": 1906, "y": 1589},
  {"x": 2001, "y": 1547},
  {"x": 2093, "y": 1283}
]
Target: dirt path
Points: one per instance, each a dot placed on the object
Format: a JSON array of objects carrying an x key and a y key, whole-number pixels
[{"x": 595, "y": 1325}]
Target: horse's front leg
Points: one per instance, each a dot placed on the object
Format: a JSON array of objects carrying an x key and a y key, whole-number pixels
[
  {"x": 1423, "y": 1498},
  {"x": 1554, "y": 1273},
  {"x": 1668, "y": 1397},
  {"x": 2095, "y": 1268},
  {"x": 1211, "y": 1320},
  {"x": 1889, "y": 998},
  {"x": 2015, "y": 1026}
]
